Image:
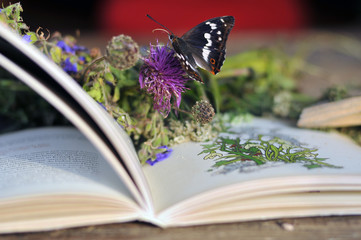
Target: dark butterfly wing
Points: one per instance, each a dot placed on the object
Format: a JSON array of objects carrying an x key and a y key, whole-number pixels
[
  {"x": 207, "y": 42},
  {"x": 185, "y": 57}
]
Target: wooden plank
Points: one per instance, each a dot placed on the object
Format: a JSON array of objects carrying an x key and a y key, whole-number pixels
[
  {"x": 342, "y": 113},
  {"x": 343, "y": 227}
]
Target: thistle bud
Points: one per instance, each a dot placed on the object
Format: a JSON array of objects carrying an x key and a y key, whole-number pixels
[
  {"x": 122, "y": 52},
  {"x": 203, "y": 112}
]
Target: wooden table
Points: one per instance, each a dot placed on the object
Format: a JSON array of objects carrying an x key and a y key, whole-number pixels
[
  {"x": 318, "y": 228},
  {"x": 340, "y": 227}
]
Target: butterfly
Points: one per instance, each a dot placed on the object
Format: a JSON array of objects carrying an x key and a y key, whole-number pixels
[{"x": 203, "y": 46}]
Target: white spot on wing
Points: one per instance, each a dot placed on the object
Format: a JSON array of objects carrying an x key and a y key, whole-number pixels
[
  {"x": 219, "y": 39},
  {"x": 222, "y": 20},
  {"x": 212, "y": 25},
  {"x": 219, "y": 32},
  {"x": 207, "y": 36},
  {"x": 205, "y": 53}
]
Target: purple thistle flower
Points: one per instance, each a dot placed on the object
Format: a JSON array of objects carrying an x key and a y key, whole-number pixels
[
  {"x": 160, "y": 156},
  {"x": 163, "y": 77}
]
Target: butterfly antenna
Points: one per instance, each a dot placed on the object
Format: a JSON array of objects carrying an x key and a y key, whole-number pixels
[{"x": 160, "y": 24}]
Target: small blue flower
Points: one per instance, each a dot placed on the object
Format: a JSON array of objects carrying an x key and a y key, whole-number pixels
[
  {"x": 68, "y": 49},
  {"x": 26, "y": 38},
  {"x": 65, "y": 47},
  {"x": 160, "y": 156},
  {"x": 79, "y": 48},
  {"x": 82, "y": 58},
  {"x": 70, "y": 67}
]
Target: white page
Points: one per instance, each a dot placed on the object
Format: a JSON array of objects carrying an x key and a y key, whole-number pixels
[
  {"x": 275, "y": 206},
  {"x": 55, "y": 161},
  {"x": 185, "y": 173},
  {"x": 115, "y": 134},
  {"x": 73, "y": 117}
]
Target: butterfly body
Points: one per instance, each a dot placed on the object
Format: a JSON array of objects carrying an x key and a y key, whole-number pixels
[
  {"x": 185, "y": 57},
  {"x": 203, "y": 46}
]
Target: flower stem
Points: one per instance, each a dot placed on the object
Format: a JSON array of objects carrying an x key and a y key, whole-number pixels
[
  {"x": 216, "y": 93},
  {"x": 95, "y": 61},
  {"x": 183, "y": 111},
  {"x": 246, "y": 72},
  {"x": 201, "y": 91}
]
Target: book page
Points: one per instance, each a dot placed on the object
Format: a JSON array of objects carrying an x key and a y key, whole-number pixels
[
  {"x": 69, "y": 98},
  {"x": 57, "y": 160},
  {"x": 194, "y": 169}
]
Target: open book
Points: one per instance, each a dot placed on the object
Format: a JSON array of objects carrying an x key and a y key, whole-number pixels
[{"x": 62, "y": 177}]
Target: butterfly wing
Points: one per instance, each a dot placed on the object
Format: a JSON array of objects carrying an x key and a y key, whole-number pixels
[
  {"x": 207, "y": 42},
  {"x": 185, "y": 57}
]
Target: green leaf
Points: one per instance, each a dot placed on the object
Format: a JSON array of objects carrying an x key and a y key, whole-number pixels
[
  {"x": 157, "y": 142},
  {"x": 108, "y": 76},
  {"x": 276, "y": 152},
  {"x": 222, "y": 163},
  {"x": 229, "y": 141},
  {"x": 33, "y": 37},
  {"x": 55, "y": 53},
  {"x": 96, "y": 92},
  {"x": 253, "y": 150},
  {"x": 116, "y": 95},
  {"x": 148, "y": 126},
  {"x": 117, "y": 73},
  {"x": 165, "y": 139},
  {"x": 124, "y": 78},
  {"x": 257, "y": 161},
  {"x": 312, "y": 166}
]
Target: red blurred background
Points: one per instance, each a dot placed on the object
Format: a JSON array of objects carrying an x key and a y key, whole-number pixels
[
  {"x": 101, "y": 19},
  {"x": 129, "y": 16},
  {"x": 180, "y": 16}
]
